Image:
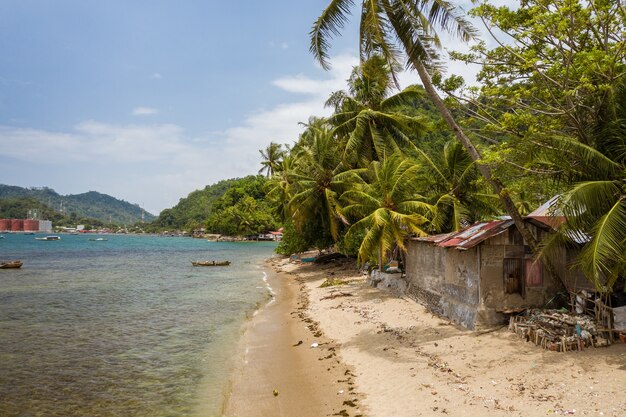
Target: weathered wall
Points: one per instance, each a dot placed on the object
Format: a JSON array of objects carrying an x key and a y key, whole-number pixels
[{"x": 446, "y": 280}]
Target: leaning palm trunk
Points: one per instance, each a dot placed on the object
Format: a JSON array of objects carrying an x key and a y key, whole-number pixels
[{"x": 497, "y": 186}]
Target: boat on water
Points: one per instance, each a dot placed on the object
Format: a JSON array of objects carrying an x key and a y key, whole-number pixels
[
  {"x": 210, "y": 263},
  {"x": 10, "y": 264},
  {"x": 98, "y": 239},
  {"x": 49, "y": 238}
]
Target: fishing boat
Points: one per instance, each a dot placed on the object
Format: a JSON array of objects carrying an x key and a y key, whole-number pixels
[
  {"x": 210, "y": 263},
  {"x": 48, "y": 238},
  {"x": 10, "y": 264},
  {"x": 98, "y": 239}
]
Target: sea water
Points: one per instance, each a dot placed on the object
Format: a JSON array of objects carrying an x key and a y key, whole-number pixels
[{"x": 122, "y": 327}]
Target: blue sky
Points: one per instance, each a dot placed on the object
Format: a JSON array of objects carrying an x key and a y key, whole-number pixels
[{"x": 150, "y": 100}]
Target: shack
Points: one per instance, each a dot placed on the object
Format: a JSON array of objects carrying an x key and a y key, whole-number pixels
[{"x": 478, "y": 275}]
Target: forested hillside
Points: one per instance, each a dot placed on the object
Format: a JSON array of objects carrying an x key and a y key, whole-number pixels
[
  {"x": 231, "y": 207},
  {"x": 92, "y": 204}
]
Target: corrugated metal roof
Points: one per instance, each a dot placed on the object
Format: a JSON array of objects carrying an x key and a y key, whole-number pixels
[
  {"x": 469, "y": 237},
  {"x": 547, "y": 209}
]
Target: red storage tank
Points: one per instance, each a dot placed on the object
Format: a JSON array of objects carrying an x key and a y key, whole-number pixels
[
  {"x": 17, "y": 225},
  {"x": 31, "y": 225},
  {"x": 5, "y": 225}
]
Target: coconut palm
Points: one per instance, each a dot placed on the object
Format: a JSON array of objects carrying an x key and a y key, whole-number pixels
[
  {"x": 452, "y": 183},
  {"x": 280, "y": 186},
  {"x": 271, "y": 158},
  {"x": 370, "y": 118},
  {"x": 400, "y": 29},
  {"x": 317, "y": 180},
  {"x": 595, "y": 208},
  {"x": 388, "y": 206}
]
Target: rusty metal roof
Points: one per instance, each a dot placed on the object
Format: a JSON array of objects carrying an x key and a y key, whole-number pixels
[{"x": 470, "y": 236}]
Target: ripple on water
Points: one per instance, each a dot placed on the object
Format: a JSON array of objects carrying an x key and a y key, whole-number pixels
[{"x": 130, "y": 329}]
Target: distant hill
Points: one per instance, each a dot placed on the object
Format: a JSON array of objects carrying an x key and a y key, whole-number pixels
[
  {"x": 235, "y": 206},
  {"x": 92, "y": 204}
]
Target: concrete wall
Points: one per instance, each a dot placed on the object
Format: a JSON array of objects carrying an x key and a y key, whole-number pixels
[
  {"x": 445, "y": 280},
  {"x": 468, "y": 286}
]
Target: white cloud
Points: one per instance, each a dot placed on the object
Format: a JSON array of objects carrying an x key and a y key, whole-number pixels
[
  {"x": 156, "y": 76},
  {"x": 157, "y": 164},
  {"x": 144, "y": 111}
]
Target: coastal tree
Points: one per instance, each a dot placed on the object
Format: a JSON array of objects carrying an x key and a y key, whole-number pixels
[
  {"x": 399, "y": 29},
  {"x": 318, "y": 178},
  {"x": 370, "y": 117},
  {"x": 388, "y": 206},
  {"x": 271, "y": 158},
  {"x": 453, "y": 185},
  {"x": 595, "y": 208}
]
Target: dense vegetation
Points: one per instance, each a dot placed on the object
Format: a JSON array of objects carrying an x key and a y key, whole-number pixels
[
  {"x": 549, "y": 118},
  {"x": 234, "y": 207},
  {"x": 91, "y": 205}
]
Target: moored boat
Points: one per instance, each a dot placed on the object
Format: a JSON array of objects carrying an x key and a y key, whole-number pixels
[
  {"x": 49, "y": 238},
  {"x": 210, "y": 263},
  {"x": 10, "y": 264},
  {"x": 98, "y": 239}
]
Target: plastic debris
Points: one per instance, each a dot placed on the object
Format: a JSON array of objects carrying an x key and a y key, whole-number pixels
[{"x": 314, "y": 345}]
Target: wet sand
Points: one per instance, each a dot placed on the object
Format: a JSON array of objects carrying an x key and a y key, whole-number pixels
[{"x": 310, "y": 382}]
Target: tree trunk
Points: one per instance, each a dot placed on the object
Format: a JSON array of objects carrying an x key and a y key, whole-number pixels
[
  {"x": 497, "y": 186},
  {"x": 495, "y": 183}
]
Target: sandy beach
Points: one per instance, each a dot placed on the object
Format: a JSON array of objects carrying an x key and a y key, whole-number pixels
[{"x": 383, "y": 355}]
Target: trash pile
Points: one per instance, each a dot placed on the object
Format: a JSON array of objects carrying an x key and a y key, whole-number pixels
[{"x": 557, "y": 330}]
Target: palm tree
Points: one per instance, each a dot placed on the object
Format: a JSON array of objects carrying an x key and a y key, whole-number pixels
[
  {"x": 316, "y": 182},
  {"x": 280, "y": 186},
  {"x": 452, "y": 183},
  {"x": 397, "y": 28},
  {"x": 388, "y": 206},
  {"x": 370, "y": 118},
  {"x": 271, "y": 158},
  {"x": 595, "y": 208}
]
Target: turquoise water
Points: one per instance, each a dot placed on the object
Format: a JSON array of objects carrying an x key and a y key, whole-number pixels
[{"x": 124, "y": 327}]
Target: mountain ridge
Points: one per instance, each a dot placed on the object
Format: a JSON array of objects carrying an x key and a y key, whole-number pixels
[{"x": 92, "y": 204}]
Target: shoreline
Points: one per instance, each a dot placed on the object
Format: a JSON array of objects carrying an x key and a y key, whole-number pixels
[
  {"x": 276, "y": 371},
  {"x": 382, "y": 355}
]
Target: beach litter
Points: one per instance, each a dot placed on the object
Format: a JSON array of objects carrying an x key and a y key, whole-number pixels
[
  {"x": 314, "y": 345},
  {"x": 556, "y": 330}
]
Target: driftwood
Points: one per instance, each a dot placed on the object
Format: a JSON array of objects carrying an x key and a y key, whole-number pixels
[
  {"x": 322, "y": 259},
  {"x": 336, "y": 295}
]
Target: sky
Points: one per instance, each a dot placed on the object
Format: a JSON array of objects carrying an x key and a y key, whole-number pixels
[{"x": 149, "y": 100}]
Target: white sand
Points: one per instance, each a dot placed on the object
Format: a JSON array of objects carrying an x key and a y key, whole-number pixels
[{"x": 408, "y": 362}]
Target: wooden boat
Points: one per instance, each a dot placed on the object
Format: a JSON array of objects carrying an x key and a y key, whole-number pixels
[
  {"x": 10, "y": 264},
  {"x": 210, "y": 263},
  {"x": 48, "y": 238}
]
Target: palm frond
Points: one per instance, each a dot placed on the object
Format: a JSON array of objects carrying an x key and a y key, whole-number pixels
[{"x": 329, "y": 24}]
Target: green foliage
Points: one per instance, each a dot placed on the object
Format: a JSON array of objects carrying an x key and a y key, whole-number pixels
[
  {"x": 92, "y": 204},
  {"x": 389, "y": 207},
  {"x": 18, "y": 208},
  {"x": 292, "y": 241},
  {"x": 234, "y": 207}
]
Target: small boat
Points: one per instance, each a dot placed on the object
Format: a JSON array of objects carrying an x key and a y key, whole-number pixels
[
  {"x": 98, "y": 239},
  {"x": 48, "y": 238},
  {"x": 10, "y": 264},
  {"x": 210, "y": 263}
]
